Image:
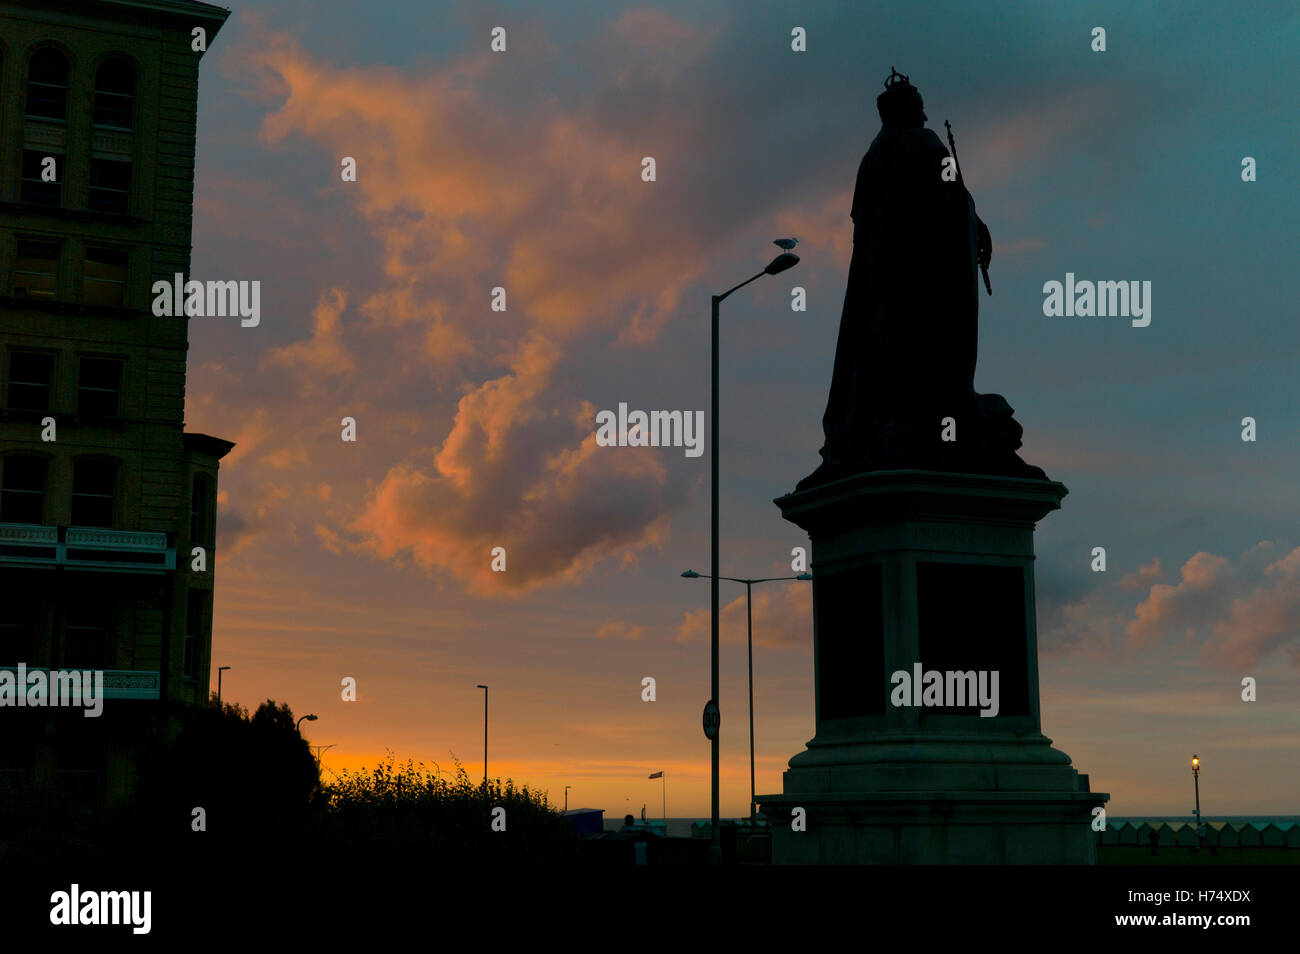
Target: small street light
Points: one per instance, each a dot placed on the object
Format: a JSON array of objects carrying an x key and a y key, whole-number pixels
[
  {"x": 749, "y": 622},
  {"x": 309, "y": 718},
  {"x": 1196, "y": 780}
]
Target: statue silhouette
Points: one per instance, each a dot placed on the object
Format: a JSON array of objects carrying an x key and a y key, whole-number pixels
[{"x": 906, "y": 353}]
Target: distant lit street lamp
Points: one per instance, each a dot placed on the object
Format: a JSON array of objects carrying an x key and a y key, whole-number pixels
[
  {"x": 779, "y": 264},
  {"x": 1196, "y": 780},
  {"x": 749, "y": 622}
]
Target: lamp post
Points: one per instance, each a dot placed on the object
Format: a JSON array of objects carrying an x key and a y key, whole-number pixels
[
  {"x": 309, "y": 718},
  {"x": 1196, "y": 781},
  {"x": 664, "y": 777},
  {"x": 779, "y": 264},
  {"x": 566, "y": 797},
  {"x": 220, "y": 670},
  {"x": 749, "y": 625},
  {"x": 485, "y": 714}
]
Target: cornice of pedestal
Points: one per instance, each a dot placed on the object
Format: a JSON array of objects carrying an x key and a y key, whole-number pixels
[{"x": 891, "y": 495}]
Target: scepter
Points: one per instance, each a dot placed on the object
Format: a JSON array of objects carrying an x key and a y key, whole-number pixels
[{"x": 984, "y": 269}]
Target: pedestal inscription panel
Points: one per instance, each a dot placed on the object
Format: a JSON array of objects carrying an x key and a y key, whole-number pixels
[
  {"x": 972, "y": 617},
  {"x": 850, "y": 643}
]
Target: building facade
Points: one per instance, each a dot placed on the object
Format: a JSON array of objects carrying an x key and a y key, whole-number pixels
[{"x": 104, "y": 497}]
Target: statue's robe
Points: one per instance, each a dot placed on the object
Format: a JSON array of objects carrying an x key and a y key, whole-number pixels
[{"x": 906, "y": 353}]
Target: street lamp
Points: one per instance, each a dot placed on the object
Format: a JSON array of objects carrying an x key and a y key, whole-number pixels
[
  {"x": 566, "y": 797},
  {"x": 485, "y": 700},
  {"x": 749, "y": 622},
  {"x": 664, "y": 776},
  {"x": 779, "y": 264},
  {"x": 309, "y": 718},
  {"x": 220, "y": 670},
  {"x": 1196, "y": 780}
]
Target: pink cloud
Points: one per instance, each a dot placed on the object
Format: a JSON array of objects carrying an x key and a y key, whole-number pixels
[{"x": 1142, "y": 577}]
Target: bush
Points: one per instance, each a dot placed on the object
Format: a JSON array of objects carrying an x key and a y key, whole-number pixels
[{"x": 395, "y": 808}]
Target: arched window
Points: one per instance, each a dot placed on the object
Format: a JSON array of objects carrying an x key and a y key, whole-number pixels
[
  {"x": 47, "y": 85},
  {"x": 114, "y": 94}
]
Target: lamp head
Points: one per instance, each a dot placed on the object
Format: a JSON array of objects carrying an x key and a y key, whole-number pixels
[
  {"x": 804, "y": 576},
  {"x": 691, "y": 575},
  {"x": 782, "y": 262},
  {"x": 1196, "y": 762}
]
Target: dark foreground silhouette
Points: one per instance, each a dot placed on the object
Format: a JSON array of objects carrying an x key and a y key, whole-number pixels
[{"x": 262, "y": 797}]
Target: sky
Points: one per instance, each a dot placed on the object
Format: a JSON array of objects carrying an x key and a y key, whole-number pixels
[{"x": 475, "y": 429}]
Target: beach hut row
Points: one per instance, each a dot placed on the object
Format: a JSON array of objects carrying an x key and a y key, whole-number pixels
[{"x": 1264, "y": 834}]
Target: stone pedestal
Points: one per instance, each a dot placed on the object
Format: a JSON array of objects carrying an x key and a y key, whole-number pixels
[{"x": 934, "y": 568}]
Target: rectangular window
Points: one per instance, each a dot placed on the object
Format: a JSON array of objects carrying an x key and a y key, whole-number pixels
[
  {"x": 36, "y": 270},
  {"x": 105, "y": 277},
  {"x": 86, "y": 637},
  {"x": 22, "y": 493},
  {"x": 31, "y": 380},
  {"x": 199, "y": 511},
  {"x": 81, "y": 759},
  {"x": 34, "y": 187},
  {"x": 110, "y": 185},
  {"x": 18, "y": 633},
  {"x": 93, "y": 485},
  {"x": 196, "y": 617},
  {"x": 99, "y": 387}
]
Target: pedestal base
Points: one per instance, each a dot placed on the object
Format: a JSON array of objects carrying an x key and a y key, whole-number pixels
[
  {"x": 927, "y": 572},
  {"x": 934, "y": 828}
]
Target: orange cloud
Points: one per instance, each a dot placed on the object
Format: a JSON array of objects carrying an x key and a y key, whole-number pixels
[
  {"x": 323, "y": 354},
  {"x": 463, "y": 193}
]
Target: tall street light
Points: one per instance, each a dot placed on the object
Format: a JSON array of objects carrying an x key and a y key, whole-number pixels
[
  {"x": 749, "y": 623},
  {"x": 779, "y": 264},
  {"x": 220, "y": 670},
  {"x": 309, "y": 718},
  {"x": 485, "y": 700},
  {"x": 566, "y": 797}
]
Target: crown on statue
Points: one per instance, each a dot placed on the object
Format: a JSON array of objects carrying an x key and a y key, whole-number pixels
[
  {"x": 900, "y": 103},
  {"x": 896, "y": 80}
]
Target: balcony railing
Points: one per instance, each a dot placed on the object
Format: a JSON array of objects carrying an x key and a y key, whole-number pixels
[
  {"x": 85, "y": 548},
  {"x": 117, "y": 684}
]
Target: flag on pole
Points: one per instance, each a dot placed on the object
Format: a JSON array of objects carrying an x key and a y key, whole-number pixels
[{"x": 657, "y": 775}]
